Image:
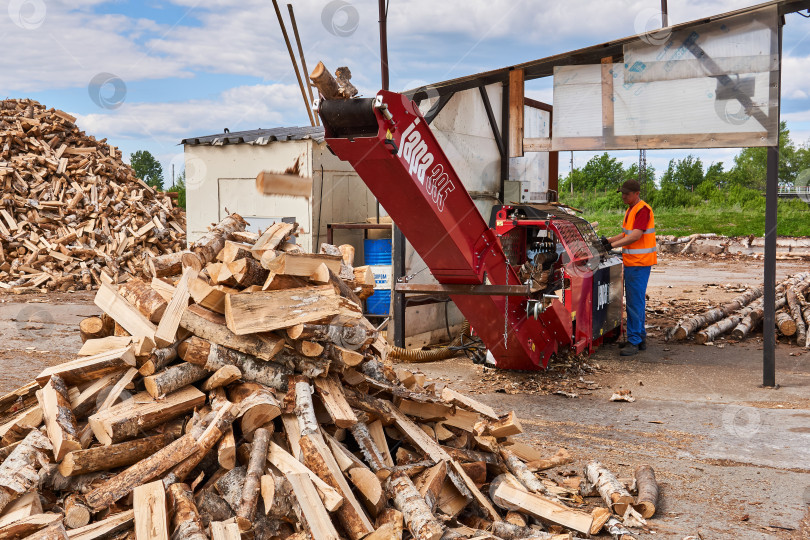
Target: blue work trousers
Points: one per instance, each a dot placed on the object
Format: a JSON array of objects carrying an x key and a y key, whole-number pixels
[{"x": 635, "y": 290}]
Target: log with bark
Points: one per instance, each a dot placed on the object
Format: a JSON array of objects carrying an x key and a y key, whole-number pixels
[
  {"x": 18, "y": 473},
  {"x": 691, "y": 325},
  {"x": 610, "y": 489},
  {"x": 250, "y": 489},
  {"x": 213, "y": 357},
  {"x": 185, "y": 521},
  {"x": 418, "y": 516},
  {"x": 350, "y": 514},
  {"x": 647, "y": 486},
  {"x": 744, "y": 319},
  {"x": 795, "y": 306},
  {"x": 307, "y": 421},
  {"x": 785, "y": 323}
]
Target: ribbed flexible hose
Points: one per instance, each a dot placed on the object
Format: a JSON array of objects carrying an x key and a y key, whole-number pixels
[{"x": 433, "y": 355}]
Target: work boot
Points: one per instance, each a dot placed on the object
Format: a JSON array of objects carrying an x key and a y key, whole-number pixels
[
  {"x": 641, "y": 346},
  {"x": 629, "y": 350}
]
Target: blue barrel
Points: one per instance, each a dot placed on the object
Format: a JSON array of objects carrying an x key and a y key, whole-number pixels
[
  {"x": 379, "y": 303},
  {"x": 377, "y": 251}
]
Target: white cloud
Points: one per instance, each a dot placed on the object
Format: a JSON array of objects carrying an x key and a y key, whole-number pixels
[
  {"x": 795, "y": 77},
  {"x": 67, "y": 47},
  {"x": 240, "y": 108}
]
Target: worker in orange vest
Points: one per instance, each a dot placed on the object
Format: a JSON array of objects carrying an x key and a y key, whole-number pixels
[{"x": 639, "y": 253}]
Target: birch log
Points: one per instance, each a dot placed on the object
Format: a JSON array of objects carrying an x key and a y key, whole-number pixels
[
  {"x": 355, "y": 524},
  {"x": 795, "y": 306},
  {"x": 257, "y": 406},
  {"x": 523, "y": 474},
  {"x": 145, "y": 298},
  {"x": 610, "y": 489},
  {"x": 510, "y": 531},
  {"x": 250, "y": 490},
  {"x": 173, "y": 378},
  {"x": 718, "y": 329},
  {"x": 785, "y": 323},
  {"x": 692, "y": 324},
  {"x": 617, "y": 530},
  {"x": 304, "y": 408},
  {"x": 418, "y": 517},
  {"x": 158, "y": 359},
  {"x": 752, "y": 314},
  {"x": 368, "y": 448},
  {"x": 148, "y": 468},
  {"x": 220, "y": 422},
  {"x": 647, "y": 491},
  {"x": 18, "y": 473},
  {"x": 93, "y": 328},
  {"x": 122, "y": 454},
  {"x": 222, "y": 377},
  {"x": 212, "y": 357},
  {"x": 166, "y": 265},
  {"x": 209, "y": 245}
]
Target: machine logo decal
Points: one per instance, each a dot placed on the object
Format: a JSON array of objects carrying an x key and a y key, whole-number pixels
[
  {"x": 603, "y": 297},
  {"x": 439, "y": 186},
  {"x": 416, "y": 155}
]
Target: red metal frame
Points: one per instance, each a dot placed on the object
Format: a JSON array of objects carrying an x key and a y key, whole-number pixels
[
  {"x": 406, "y": 169},
  {"x": 578, "y": 296}
]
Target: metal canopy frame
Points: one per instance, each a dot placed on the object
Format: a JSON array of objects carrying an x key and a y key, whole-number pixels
[
  {"x": 544, "y": 67},
  {"x": 596, "y": 54}
]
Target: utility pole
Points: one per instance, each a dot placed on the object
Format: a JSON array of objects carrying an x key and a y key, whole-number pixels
[
  {"x": 172, "y": 174},
  {"x": 642, "y": 170},
  {"x": 664, "y": 14},
  {"x": 571, "y": 177}
]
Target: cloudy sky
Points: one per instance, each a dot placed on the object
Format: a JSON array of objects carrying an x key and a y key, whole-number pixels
[{"x": 147, "y": 74}]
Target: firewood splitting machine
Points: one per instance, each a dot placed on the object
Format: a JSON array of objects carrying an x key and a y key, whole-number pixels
[{"x": 534, "y": 281}]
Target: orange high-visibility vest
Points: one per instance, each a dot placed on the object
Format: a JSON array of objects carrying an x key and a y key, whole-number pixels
[{"x": 644, "y": 251}]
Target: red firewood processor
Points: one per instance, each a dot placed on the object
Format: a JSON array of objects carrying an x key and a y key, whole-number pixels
[{"x": 534, "y": 281}]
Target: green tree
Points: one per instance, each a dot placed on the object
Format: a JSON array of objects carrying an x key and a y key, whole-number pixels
[
  {"x": 751, "y": 164},
  {"x": 686, "y": 173},
  {"x": 180, "y": 188},
  {"x": 147, "y": 168},
  {"x": 600, "y": 173},
  {"x": 714, "y": 180}
]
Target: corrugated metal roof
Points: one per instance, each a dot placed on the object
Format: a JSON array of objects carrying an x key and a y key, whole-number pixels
[{"x": 259, "y": 136}]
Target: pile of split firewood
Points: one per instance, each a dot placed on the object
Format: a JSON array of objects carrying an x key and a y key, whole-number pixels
[
  {"x": 266, "y": 408},
  {"x": 71, "y": 209},
  {"x": 743, "y": 315}
]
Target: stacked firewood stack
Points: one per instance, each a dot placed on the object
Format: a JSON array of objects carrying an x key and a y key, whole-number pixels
[
  {"x": 71, "y": 209},
  {"x": 265, "y": 408},
  {"x": 743, "y": 315}
]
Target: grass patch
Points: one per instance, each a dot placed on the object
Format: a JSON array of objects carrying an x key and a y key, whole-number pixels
[{"x": 793, "y": 218}]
